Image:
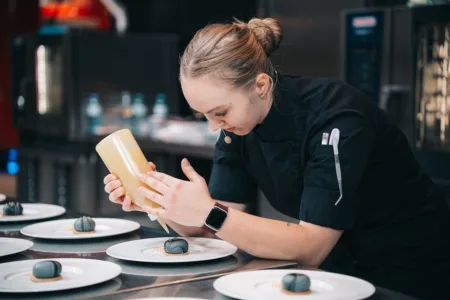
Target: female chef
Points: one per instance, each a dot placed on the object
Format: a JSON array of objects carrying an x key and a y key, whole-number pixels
[{"x": 321, "y": 151}]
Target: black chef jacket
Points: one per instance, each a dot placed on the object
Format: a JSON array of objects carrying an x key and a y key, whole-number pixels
[{"x": 396, "y": 222}]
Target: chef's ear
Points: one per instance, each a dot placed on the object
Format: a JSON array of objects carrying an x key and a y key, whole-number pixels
[{"x": 263, "y": 85}]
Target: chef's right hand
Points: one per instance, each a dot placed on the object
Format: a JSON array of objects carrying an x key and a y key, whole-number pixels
[{"x": 113, "y": 186}]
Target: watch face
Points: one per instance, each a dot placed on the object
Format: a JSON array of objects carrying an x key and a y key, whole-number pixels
[{"x": 216, "y": 218}]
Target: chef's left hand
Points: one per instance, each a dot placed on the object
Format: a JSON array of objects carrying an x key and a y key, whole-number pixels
[{"x": 184, "y": 202}]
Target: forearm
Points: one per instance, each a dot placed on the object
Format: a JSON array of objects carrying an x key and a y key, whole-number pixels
[
  {"x": 268, "y": 238},
  {"x": 197, "y": 231},
  {"x": 187, "y": 231}
]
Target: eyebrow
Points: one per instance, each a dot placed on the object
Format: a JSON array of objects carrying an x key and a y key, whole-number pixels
[{"x": 217, "y": 107}]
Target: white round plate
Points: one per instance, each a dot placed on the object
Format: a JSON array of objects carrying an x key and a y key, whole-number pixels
[
  {"x": 81, "y": 246},
  {"x": 163, "y": 270},
  {"x": 76, "y": 273},
  {"x": 2, "y": 197},
  {"x": 167, "y": 298},
  {"x": 34, "y": 211},
  {"x": 265, "y": 284},
  {"x": 151, "y": 250},
  {"x": 86, "y": 292},
  {"x": 62, "y": 229},
  {"x": 12, "y": 246}
]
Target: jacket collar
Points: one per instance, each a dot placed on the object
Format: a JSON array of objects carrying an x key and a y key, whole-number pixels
[{"x": 286, "y": 115}]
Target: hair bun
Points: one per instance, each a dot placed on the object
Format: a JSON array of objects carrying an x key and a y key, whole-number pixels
[{"x": 268, "y": 32}]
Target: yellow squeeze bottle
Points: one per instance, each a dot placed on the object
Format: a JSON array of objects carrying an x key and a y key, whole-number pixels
[{"x": 124, "y": 158}]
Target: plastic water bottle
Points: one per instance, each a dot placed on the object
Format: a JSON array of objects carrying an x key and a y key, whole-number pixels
[
  {"x": 127, "y": 111},
  {"x": 160, "y": 113},
  {"x": 94, "y": 113},
  {"x": 139, "y": 110},
  {"x": 426, "y": 2}
]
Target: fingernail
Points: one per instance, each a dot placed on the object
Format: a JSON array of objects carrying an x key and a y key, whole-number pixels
[
  {"x": 116, "y": 182},
  {"x": 141, "y": 176},
  {"x": 141, "y": 190},
  {"x": 113, "y": 176}
]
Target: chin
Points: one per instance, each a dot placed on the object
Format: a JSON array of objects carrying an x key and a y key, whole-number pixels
[{"x": 241, "y": 131}]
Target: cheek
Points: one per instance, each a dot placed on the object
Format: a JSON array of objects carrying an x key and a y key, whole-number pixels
[
  {"x": 244, "y": 115},
  {"x": 241, "y": 119},
  {"x": 237, "y": 119}
]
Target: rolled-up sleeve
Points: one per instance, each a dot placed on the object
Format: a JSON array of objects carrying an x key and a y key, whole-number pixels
[
  {"x": 321, "y": 189},
  {"x": 230, "y": 180}
]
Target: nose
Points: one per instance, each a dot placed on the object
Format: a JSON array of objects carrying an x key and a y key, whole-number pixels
[{"x": 214, "y": 125}]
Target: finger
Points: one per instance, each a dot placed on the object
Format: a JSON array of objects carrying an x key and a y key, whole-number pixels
[
  {"x": 159, "y": 212},
  {"x": 110, "y": 187},
  {"x": 154, "y": 183},
  {"x": 127, "y": 205},
  {"x": 119, "y": 200},
  {"x": 108, "y": 178},
  {"x": 155, "y": 197},
  {"x": 116, "y": 194},
  {"x": 164, "y": 178},
  {"x": 127, "y": 199},
  {"x": 133, "y": 205},
  {"x": 189, "y": 171},
  {"x": 152, "y": 165}
]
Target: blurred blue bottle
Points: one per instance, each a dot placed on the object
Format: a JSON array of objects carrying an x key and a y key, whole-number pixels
[
  {"x": 12, "y": 166},
  {"x": 160, "y": 112},
  {"x": 94, "y": 113},
  {"x": 139, "y": 110}
]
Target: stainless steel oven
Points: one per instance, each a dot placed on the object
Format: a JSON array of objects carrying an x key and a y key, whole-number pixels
[{"x": 400, "y": 57}]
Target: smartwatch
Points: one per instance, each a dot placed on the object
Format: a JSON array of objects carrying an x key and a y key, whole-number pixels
[{"x": 215, "y": 219}]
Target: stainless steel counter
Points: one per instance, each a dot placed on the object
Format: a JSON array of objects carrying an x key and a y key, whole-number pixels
[
  {"x": 134, "y": 275},
  {"x": 143, "y": 280},
  {"x": 204, "y": 290}
]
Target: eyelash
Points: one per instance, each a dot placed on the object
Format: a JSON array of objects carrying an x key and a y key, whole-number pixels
[{"x": 221, "y": 114}]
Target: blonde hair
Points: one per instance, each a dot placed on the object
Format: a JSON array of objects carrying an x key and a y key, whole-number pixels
[{"x": 235, "y": 53}]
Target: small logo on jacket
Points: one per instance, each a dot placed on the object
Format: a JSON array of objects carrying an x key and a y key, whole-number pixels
[{"x": 325, "y": 137}]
